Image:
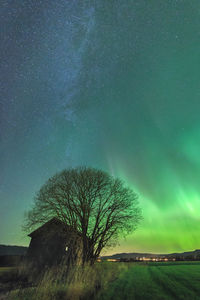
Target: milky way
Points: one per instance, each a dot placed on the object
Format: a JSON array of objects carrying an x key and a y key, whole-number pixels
[{"x": 109, "y": 84}]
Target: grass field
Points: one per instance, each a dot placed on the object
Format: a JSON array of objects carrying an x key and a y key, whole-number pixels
[
  {"x": 156, "y": 281},
  {"x": 5, "y": 269},
  {"x": 140, "y": 281}
]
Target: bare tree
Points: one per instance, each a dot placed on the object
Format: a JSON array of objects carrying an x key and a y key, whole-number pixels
[{"x": 95, "y": 204}]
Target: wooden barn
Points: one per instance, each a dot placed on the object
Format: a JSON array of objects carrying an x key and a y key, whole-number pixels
[{"x": 53, "y": 243}]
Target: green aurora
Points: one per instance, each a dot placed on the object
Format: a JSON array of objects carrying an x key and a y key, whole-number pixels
[{"x": 113, "y": 85}]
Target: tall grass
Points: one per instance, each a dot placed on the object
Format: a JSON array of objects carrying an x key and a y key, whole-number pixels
[{"x": 76, "y": 283}]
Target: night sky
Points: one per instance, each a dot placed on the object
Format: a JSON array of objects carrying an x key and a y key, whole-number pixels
[{"x": 113, "y": 85}]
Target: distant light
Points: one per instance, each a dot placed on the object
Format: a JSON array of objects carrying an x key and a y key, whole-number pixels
[{"x": 111, "y": 259}]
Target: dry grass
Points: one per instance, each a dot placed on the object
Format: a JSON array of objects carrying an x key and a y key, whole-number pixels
[{"x": 78, "y": 283}]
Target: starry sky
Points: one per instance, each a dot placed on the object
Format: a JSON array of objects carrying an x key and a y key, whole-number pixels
[{"x": 113, "y": 85}]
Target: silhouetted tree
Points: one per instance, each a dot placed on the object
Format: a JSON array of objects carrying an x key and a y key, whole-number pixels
[{"x": 97, "y": 205}]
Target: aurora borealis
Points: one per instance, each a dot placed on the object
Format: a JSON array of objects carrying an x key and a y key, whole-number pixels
[{"x": 108, "y": 84}]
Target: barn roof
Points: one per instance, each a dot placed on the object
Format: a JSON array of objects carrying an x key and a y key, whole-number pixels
[{"x": 51, "y": 224}]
